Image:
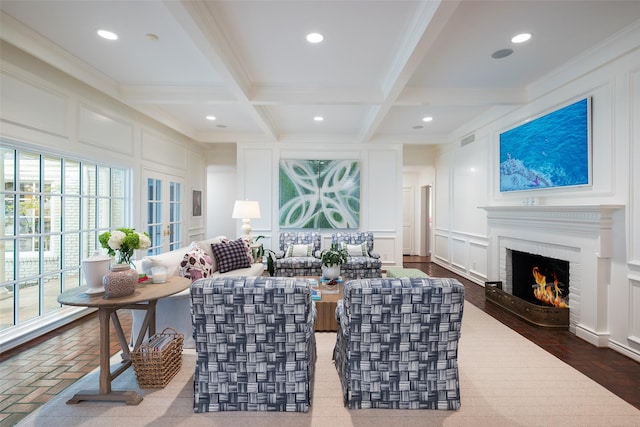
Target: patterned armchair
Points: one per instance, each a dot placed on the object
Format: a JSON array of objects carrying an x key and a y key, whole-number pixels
[
  {"x": 397, "y": 343},
  {"x": 289, "y": 263},
  {"x": 255, "y": 344},
  {"x": 365, "y": 265}
]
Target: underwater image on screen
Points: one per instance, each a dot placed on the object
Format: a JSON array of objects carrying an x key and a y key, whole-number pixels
[{"x": 550, "y": 151}]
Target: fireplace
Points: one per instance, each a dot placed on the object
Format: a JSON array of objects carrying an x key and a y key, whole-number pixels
[
  {"x": 579, "y": 235},
  {"x": 539, "y": 289}
]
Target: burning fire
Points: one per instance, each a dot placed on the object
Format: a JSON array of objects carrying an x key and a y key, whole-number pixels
[{"x": 549, "y": 294}]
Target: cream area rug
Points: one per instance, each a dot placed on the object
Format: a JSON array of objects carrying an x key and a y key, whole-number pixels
[{"x": 505, "y": 380}]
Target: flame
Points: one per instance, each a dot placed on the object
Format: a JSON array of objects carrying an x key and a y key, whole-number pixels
[{"x": 548, "y": 294}]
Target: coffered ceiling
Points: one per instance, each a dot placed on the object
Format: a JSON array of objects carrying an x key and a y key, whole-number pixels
[{"x": 382, "y": 67}]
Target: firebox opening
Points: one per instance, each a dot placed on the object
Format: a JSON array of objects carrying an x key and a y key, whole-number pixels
[{"x": 540, "y": 280}]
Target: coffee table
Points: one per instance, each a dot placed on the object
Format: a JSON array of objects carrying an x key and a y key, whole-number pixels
[
  {"x": 326, "y": 308},
  {"x": 145, "y": 298}
]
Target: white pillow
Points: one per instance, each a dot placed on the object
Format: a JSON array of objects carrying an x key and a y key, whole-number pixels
[
  {"x": 205, "y": 245},
  {"x": 299, "y": 250},
  {"x": 170, "y": 259},
  {"x": 357, "y": 250}
]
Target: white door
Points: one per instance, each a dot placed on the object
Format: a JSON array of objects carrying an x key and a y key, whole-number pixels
[
  {"x": 164, "y": 211},
  {"x": 408, "y": 220}
]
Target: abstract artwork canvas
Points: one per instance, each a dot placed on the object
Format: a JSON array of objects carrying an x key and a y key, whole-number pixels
[
  {"x": 550, "y": 151},
  {"x": 319, "y": 194}
]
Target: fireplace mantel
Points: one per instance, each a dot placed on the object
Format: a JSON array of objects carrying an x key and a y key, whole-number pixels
[
  {"x": 570, "y": 218},
  {"x": 581, "y": 234}
]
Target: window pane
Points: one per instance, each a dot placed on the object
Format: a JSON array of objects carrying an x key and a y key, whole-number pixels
[
  {"x": 29, "y": 214},
  {"x": 7, "y": 258},
  {"x": 9, "y": 214},
  {"x": 118, "y": 215},
  {"x": 89, "y": 213},
  {"x": 52, "y": 172},
  {"x": 71, "y": 177},
  {"x": 70, "y": 217},
  {"x": 8, "y": 169},
  {"x": 89, "y": 180},
  {"x": 28, "y": 301},
  {"x": 104, "y": 181},
  {"x": 71, "y": 251},
  {"x": 6, "y": 307},
  {"x": 29, "y": 257},
  {"x": 52, "y": 260},
  {"x": 29, "y": 175},
  {"x": 90, "y": 244},
  {"x": 104, "y": 215},
  {"x": 71, "y": 279},
  {"x": 52, "y": 289},
  {"x": 118, "y": 182},
  {"x": 52, "y": 218}
]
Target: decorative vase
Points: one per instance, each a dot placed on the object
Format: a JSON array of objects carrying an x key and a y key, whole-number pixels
[
  {"x": 331, "y": 271},
  {"x": 121, "y": 281},
  {"x": 94, "y": 268}
]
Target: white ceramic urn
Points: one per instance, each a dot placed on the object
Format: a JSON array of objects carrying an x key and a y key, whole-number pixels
[{"x": 94, "y": 268}]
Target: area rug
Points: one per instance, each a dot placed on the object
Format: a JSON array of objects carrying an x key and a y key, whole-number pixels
[{"x": 505, "y": 380}]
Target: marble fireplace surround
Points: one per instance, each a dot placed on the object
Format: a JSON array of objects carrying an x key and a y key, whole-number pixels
[{"x": 581, "y": 235}]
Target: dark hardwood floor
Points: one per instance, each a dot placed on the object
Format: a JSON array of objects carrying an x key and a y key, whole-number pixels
[{"x": 614, "y": 371}]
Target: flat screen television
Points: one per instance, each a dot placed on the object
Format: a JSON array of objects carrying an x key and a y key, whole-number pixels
[{"x": 550, "y": 151}]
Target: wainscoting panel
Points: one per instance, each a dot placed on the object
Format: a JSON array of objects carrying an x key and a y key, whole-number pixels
[
  {"x": 102, "y": 130},
  {"x": 33, "y": 105},
  {"x": 634, "y": 309},
  {"x": 159, "y": 149}
]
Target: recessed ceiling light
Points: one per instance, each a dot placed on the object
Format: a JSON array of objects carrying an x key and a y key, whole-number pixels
[
  {"x": 211, "y": 117},
  {"x": 314, "y": 38},
  {"x": 106, "y": 34},
  {"x": 427, "y": 119},
  {"x": 502, "y": 53},
  {"x": 521, "y": 38},
  {"x": 152, "y": 37},
  {"x": 418, "y": 127},
  {"x": 221, "y": 126},
  {"x": 318, "y": 118}
]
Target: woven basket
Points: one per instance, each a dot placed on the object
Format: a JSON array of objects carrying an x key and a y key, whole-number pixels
[{"x": 156, "y": 367}]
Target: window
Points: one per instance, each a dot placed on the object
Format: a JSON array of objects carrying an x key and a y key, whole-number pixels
[{"x": 54, "y": 210}]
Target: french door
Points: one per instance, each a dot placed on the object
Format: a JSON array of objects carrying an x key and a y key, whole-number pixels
[{"x": 164, "y": 211}]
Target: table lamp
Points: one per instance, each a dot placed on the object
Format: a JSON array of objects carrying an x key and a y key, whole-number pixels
[{"x": 246, "y": 210}]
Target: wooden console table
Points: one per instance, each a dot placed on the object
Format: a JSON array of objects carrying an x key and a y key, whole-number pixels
[{"x": 145, "y": 297}]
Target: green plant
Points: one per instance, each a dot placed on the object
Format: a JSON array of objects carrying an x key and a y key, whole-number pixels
[
  {"x": 260, "y": 251},
  {"x": 335, "y": 255}
]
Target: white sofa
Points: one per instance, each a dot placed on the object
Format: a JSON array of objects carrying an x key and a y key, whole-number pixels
[{"x": 174, "y": 311}]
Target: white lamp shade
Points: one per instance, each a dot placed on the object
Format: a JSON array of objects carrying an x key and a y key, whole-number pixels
[{"x": 246, "y": 209}]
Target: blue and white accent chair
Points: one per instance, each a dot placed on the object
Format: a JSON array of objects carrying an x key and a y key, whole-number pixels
[
  {"x": 255, "y": 344},
  {"x": 397, "y": 343},
  {"x": 362, "y": 262},
  {"x": 299, "y": 254}
]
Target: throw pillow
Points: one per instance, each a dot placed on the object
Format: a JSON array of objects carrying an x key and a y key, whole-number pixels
[
  {"x": 205, "y": 245},
  {"x": 231, "y": 255},
  {"x": 357, "y": 250},
  {"x": 196, "y": 264},
  {"x": 299, "y": 250}
]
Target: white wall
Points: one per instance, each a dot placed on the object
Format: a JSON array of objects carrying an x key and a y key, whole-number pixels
[
  {"x": 381, "y": 184},
  {"x": 467, "y": 176}
]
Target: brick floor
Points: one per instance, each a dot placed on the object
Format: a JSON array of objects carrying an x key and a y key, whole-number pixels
[{"x": 34, "y": 373}]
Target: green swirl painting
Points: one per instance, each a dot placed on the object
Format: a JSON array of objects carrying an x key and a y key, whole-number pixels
[{"x": 319, "y": 194}]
